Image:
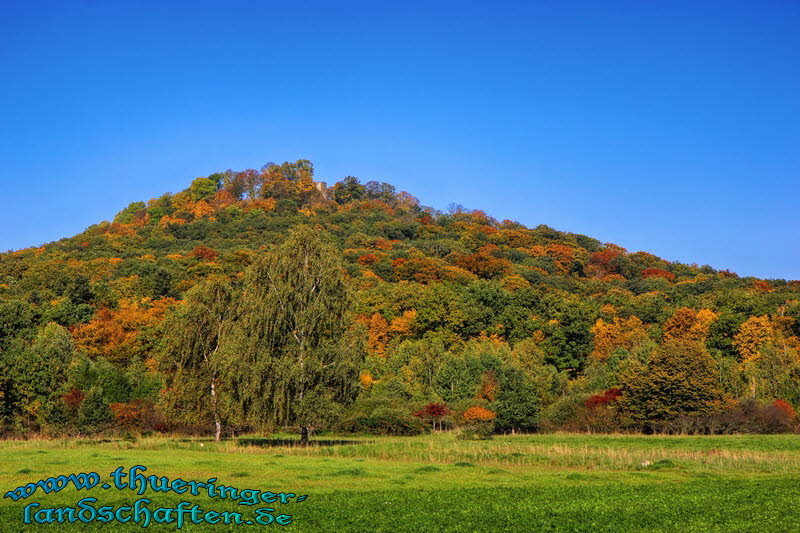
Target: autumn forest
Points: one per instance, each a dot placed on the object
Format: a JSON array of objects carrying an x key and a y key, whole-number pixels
[{"x": 262, "y": 300}]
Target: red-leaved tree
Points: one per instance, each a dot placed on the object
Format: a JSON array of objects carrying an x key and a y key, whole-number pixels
[{"x": 435, "y": 413}]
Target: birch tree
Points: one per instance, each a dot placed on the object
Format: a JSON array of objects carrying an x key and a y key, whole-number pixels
[
  {"x": 192, "y": 339},
  {"x": 289, "y": 359}
]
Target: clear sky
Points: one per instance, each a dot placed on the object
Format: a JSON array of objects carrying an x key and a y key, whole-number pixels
[{"x": 671, "y": 127}]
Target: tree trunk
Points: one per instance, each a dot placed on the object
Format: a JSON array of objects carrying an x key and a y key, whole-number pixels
[
  {"x": 217, "y": 421},
  {"x": 304, "y": 435}
]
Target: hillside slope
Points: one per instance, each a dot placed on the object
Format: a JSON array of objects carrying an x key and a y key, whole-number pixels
[{"x": 434, "y": 291}]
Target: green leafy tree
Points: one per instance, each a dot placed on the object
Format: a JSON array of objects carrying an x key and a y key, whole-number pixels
[
  {"x": 459, "y": 377},
  {"x": 288, "y": 360},
  {"x": 203, "y": 188},
  {"x": 15, "y": 317},
  {"x": 93, "y": 413},
  {"x": 38, "y": 372},
  {"x": 349, "y": 189},
  {"x": 126, "y": 215},
  {"x": 680, "y": 378},
  {"x": 190, "y": 351},
  {"x": 517, "y": 406}
]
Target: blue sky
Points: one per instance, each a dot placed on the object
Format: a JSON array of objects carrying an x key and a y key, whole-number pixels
[{"x": 671, "y": 127}]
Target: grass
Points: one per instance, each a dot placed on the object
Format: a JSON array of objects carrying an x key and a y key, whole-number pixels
[{"x": 554, "y": 482}]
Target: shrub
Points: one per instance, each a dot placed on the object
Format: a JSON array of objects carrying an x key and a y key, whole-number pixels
[
  {"x": 479, "y": 423},
  {"x": 392, "y": 421},
  {"x": 603, "y": 399},
  {"x": 137, "y": 414},
  {"x": 598, "y": 413},
  {"x": 380, "y": 416},
  {"x": 746, "y": 416},
  {"x": 786, "y": 409},
  {"x": 564, "y": 413},
  {"x": 477, "y": 413}
]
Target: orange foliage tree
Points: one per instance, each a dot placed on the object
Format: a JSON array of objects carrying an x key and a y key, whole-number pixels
[
  {"x": 606, "y": 261},
  {"x": 484, "y": 263},
  {"x": 658, "y": 273},
  {"x": 115, "y": 333},
  {"x": 204, "y": 252},
  {"x": 477, "y": 413},
  {"x": 380, "y": 331}
]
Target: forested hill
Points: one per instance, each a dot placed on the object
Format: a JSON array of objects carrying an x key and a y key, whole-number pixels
[{"x": 429, "y": 287}]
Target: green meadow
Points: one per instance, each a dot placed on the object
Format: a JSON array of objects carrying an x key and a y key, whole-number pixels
[{"x": 554, "y": 482}]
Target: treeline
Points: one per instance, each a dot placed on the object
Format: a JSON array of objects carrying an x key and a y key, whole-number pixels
[{"x": 465, "y": 321}]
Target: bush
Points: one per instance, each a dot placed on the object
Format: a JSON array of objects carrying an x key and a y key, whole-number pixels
[
  {"x": 383, "y": 421},
  {"x": 598, "y": 413},
  {"x": 603, "y": 399},
  {"x": 564, "y": 413},
  {"x": 479, "y": 424},
  {"x": 380, "y": 413},
  {"x": 138, "y": 414},
  {"x": 746, "y": 416}
]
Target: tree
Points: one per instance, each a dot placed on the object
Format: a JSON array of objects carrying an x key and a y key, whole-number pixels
[
  {"x": 37, "y": 372},
  {"x": 289, "y": 360},
  {"x": 382, "y": 191},
  {"x": 568, "y": 337},
  {"x": 348, "y": 190},
  {"x": 689, "y": 324},
  {"x": 203, "y": 188},
  {"x": 435, "y": 412},
  {"x": 15, "y": 317},
  {"x": 235, "y": 183},
  {"x": 126, "y": 215},
  {"x": 118, "y": 334},
  {"x": 193, "y": 334},
  {"x": 459, "y": 376},
  {"x": 483, "y": 263},
  {"x": 517, "y": 404},
  {"x": 681, "y": 378},
  {"x": 753, "y": 335},
  {"x": 627, "y": 333}
]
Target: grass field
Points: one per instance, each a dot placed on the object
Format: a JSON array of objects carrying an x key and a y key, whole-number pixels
[{"x": 438, "y": 483}]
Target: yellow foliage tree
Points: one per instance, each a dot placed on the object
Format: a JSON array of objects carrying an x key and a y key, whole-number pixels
[
  {"x": 202, "y": 209},
  {"x": 624, "y": 333},
  {"x": 753, "y": 334},
  {"x": 690, "y": 325},
  {"x": 514, "y": 282}
]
